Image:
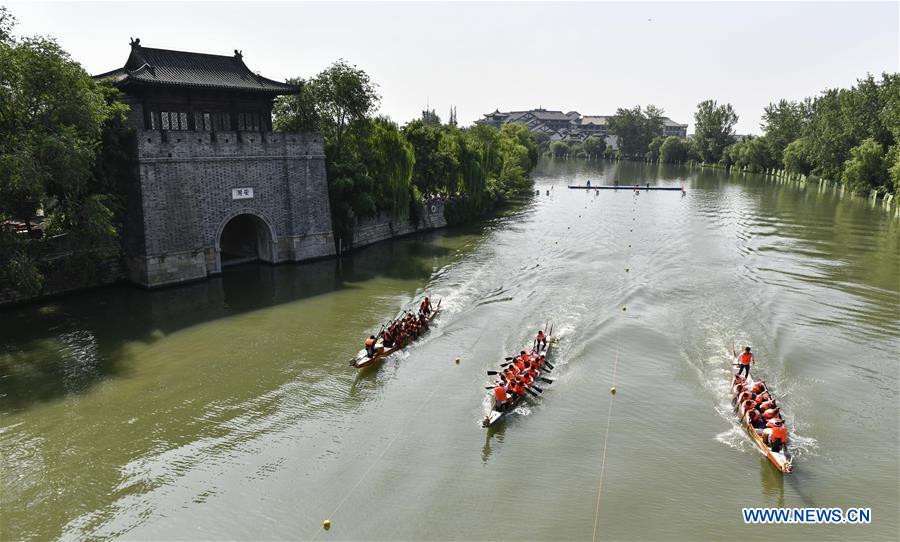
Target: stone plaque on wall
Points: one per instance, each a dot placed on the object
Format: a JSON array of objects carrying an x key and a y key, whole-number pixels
[{"x": 242, "y": 193}]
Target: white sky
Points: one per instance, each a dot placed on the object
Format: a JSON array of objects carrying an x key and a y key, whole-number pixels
[{"x": 590, "y": 57}]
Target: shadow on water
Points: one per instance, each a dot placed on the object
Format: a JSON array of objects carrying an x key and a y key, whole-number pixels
[{"x": 66, "y": 345}]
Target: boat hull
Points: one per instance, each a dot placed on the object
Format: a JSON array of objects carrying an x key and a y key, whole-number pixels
[{"x": 782, "y": 460}]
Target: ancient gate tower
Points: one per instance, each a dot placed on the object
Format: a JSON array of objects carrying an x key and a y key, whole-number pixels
[{"x": 216, "y": 184}]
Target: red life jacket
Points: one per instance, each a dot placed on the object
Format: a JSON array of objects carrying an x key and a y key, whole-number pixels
[
  {"x": 500, "y": 393},
  {"x": 771, "y": 413},
  {"x": 745, "y": 358},
  {"x": 779, "y": 433}
]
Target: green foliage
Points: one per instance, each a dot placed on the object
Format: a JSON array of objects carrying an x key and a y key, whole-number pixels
[
  {"x": 894, "y": 159},
  {"x": 559, "y": 149},
  {"x": 843, "y": 118},
  {"x": 436, "y": 156},
  {"x": 53, "y": 118},
  {"x": 674, "y": 150},
  {"x": 653, "y": 148},
  {"x": 784, "y": 122},
  {"x": 798, "y": 157},
  {"x": 867, "y": 168},
  {"x": 329, "y": 103},
  {"x": 714, "y": 129},
  {"x": 594, "y": 146},
  {"x": 751, "y": 154},
  {"x": 636, "y": 128},
  {"x": 431, "y": 118}
]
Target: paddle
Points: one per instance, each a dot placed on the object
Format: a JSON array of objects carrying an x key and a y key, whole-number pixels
[
  {"x": 547, "y": 380},
  {"x": 492, "y": 373},
  {"x": 531, "y": 392}
]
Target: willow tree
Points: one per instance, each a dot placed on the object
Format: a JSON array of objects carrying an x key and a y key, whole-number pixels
[{"x": 390, "y": 163}]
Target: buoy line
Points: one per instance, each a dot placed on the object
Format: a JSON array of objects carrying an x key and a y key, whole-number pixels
[
  {"x": 326, "y": 524},
  {"x": 612, "y": 396}
]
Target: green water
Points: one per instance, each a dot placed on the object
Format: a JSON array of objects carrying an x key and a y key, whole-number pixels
[{"x": 226, "y": 409}]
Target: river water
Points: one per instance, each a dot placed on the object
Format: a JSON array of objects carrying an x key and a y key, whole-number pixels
[{"x": 226, "y": 409}]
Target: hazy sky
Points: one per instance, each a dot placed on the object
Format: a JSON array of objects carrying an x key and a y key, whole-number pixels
[{"x": 590, "y": 57}]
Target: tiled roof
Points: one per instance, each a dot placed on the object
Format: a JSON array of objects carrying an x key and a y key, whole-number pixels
[
  {"x": 669, "y": 122},
  {"x": 146, "y": 65},
  {"x": 600, "y": 121},
  {"x": 549, "y": 115}
]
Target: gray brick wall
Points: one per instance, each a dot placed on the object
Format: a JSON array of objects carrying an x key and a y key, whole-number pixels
[
  {"x": 186, "y": 183},
  {"x": 384, "y": 226}
]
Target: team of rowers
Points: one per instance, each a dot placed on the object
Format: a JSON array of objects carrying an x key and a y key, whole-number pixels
[
  {"x": 756, "y": 406},
  {"x": 401, "y": 330},
  {"x": 513, "y": 381}
]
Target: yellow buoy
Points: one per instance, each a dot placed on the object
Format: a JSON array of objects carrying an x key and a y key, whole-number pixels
[
  {"x": 457, "y": 361},
  {"x": 623, "y": 308},
  {"x": 326, "y": 524},
  {"x": 612, "y": 391}
]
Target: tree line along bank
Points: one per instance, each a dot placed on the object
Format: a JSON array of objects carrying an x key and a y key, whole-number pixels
[{"x": 849, "y": 136}]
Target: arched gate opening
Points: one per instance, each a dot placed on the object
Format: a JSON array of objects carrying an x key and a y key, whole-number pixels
[{"x": 246, "y": 238}]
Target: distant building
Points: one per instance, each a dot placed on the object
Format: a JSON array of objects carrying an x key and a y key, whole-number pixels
[
  {"x": 571, "y": 126},
  {"x": 672, "y": 128}
]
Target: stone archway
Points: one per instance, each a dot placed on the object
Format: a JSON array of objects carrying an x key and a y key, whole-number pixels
[{"x": 245, "y": 237}]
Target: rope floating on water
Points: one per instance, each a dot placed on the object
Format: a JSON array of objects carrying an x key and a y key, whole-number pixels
[{"x": 612, "y": 397}]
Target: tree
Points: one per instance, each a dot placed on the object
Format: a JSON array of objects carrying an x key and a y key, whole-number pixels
[
  {"x": 867, "y": 168},
  {"x": 714, "y": 129},
  {"x": 436, "y": 167},
  {"x": 674, "y": 150},
  {"x": 7, "y": 22},
  {"x": 431, "y": 118},
  {"x": 297, "y": 112},
  {"x": 798, "y": 157},
  {"x": 784, "y": 122},
  {"x": 330, "y": 102},
  {"x": 389, "y": 160},
  {"x": 523, "y": 136},
  {"x": 653, "y": 148},
  {"x": 752, "y": 154},
  {"x": 52, "y": 115},
  {"x": 594, "y": 146},
  {"x": 559, "y": 149},
  {"x": 636, "y": 128}
]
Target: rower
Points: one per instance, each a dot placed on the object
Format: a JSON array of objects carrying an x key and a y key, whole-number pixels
[
  {"x": 747, "y": 406},
  {"x": 754, "y": 419},
  {"x": 767, "y": 405},
  {"x": 738, "y": 380},
  {"x": 775, "y": 434},
  {"x": 744, "y": 360},
  {"x": 425, "y": 306},
  {"x": 743, "y": 396},
  {"x": 759, "y": 387},
  {"x": 771, "y": 414},
  {"x": 541, "y": 338},
  {"x": 370, "y": 346},
  {"x": 738, "y": 388},
  {"x": 500, "y": 398}
]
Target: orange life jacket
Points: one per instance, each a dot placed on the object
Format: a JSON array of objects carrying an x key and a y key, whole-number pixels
[
  {"x": 759, "y": 387},
  {"x": 370, "y": 342},
  {"x": 771, "y": 413},
  {"x": 745, "y": 358},
  {"x": 500, "y": 393},
  {"x": 779, "y": 433},
  {"x": 766, "y": 405},
  {"x": 521, "y": 365},
  {"x": 540, "y": 336}
]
